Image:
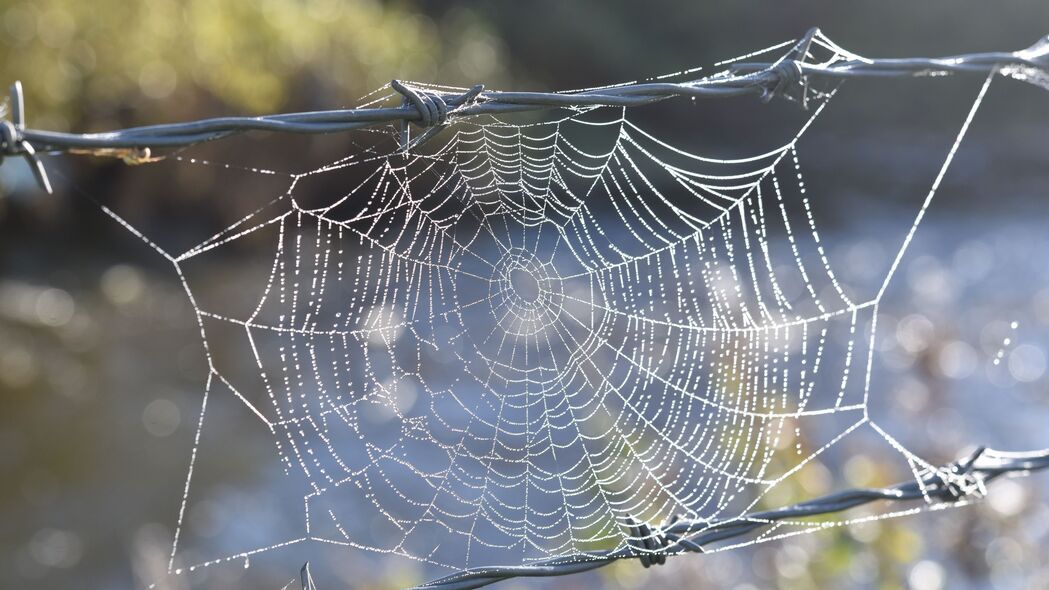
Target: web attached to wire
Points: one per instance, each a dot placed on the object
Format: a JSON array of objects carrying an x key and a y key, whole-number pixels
[{"x": 512, "y": 344}]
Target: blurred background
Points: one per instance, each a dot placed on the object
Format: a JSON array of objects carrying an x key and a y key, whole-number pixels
[{"x": 100, "y": 363}]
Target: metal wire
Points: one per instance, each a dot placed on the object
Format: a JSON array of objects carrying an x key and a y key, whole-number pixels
[
  {"x": 435, "y": 110},
  {"x": 962, "y": 480}
]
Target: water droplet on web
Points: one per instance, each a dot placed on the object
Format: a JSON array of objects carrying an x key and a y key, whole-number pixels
[{"x": 1006, "y": 342}]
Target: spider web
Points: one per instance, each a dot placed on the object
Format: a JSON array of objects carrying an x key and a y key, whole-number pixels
[{"x": 508, "y": 345}]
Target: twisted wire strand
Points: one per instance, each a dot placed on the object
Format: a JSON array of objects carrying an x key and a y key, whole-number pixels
[
  {"x": 434, "y": 110},
  {"x": 960, "y": 481}
]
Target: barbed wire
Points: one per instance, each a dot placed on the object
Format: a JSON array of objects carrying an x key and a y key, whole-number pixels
[
  {"x": 957, "y": 482},
  {"x": 433, "y": 110}
]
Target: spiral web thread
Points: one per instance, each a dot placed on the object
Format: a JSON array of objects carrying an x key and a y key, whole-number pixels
[{"x": 514, "y": 344}]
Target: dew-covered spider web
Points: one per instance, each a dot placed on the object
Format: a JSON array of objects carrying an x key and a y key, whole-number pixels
[{"x": 505, "y": 345}]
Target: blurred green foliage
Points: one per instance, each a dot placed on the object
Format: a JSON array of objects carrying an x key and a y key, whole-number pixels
[{"x": 81, "y": 60}]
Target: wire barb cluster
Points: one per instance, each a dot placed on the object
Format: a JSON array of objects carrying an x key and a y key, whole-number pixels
[
  {"x": 434, "y": 110},
  {"x": 789, "y": 73},
  {"x": 13, "y": 140},
  {"x": 306, "y": 578},
  {"x": 651, "y": 544}
]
